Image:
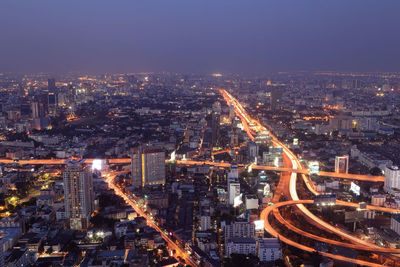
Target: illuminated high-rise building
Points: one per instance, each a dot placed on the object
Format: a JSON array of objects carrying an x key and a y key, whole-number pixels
[
  {"x": 43, "y": 100},
  {"x": 51, "y": 85},
  {"x": 148, "y": 167},
  {"x": 275, "y": 98},
  {"x": 78, "y": 193},
  {"x": 233, "y": 184},
  {"x": 231, "y": 112},
  {"x": 215, "y": 122},
  {"x": 392, "y": 179},
  {"x": 342, "y": 164}
]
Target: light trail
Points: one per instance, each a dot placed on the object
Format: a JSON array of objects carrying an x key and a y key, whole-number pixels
[
  {"x": 265, "y": 214},
  {"x": 295, "y": 168},
  {"x": 293, "y": 228},
  {"x": 112, "y": 161},
  {"x": 288, "y": 185},
  {"x": 130, "y": 201}
]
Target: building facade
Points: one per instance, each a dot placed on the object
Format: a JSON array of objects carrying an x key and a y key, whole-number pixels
[
  {"x": 342, "y": 164},
  {"x": 239, "y": 245},
  {"x": 392, "y": 178},
  {"x": 79, "y": 196},
  {"x": 269, "y": 249},
  {"x": 148, "y": 167},
  {"x": 239, "y": 229}
]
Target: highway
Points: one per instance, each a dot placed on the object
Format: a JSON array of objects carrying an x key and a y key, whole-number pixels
[
  {"x": 293, "y": 166},
  {"x": 265, "y": 214},
  {"x": 286, "y": 187},
  {"x": 114, "y": 161},
  {"x": 110, "y": 177}
]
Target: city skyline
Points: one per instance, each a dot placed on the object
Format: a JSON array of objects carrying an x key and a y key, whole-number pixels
[{"x": 199, "y": 134}]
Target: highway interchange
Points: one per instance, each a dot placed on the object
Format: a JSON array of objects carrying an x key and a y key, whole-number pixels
[
  {"x": 286, "y": 187},
  {"x": 289, "y": 181}
]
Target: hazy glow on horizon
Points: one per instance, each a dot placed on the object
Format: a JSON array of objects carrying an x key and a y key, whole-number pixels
[{"x": 199, "y": 36}]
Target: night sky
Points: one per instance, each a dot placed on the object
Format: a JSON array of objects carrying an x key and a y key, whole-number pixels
[{"x": 204, "y": 36}]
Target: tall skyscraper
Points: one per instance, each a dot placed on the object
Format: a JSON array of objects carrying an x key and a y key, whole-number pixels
[
  {"x": 35, "y": 110},
  {"x": 53, "y": 102},
  {"x": 276, "y": 98},
  {"x": 215, "y": 120},
  {"x": 148, "y": 167},
  {"x": 392, "y": 179},
  {"x": 231, "y": 113},
  {"x": 79, "y": 196},
  {"x": 40, "y": 106},
  {"x": 71, "y": 94},
  {"x": 233, "y": 184},
  {"x": 342, "y": 164},
  {"x": 51, "y": 85}
]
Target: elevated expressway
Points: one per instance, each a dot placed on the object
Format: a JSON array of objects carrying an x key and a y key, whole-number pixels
[
  {"x": 116, "y": 161},
  {"x": 287, "y": 187}
]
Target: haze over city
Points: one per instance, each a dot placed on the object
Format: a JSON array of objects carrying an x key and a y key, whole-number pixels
[
  {"x": 199, "y": 36},
  {"x": 199, "y": 133}
]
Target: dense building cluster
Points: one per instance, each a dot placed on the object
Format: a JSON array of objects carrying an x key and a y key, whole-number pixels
[{"x": 159, "y": 169}]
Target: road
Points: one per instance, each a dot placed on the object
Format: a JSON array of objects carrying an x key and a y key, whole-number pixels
[
  {"x": 180, "y": 252},
  {"x": 293, "y": 166},
  {"x": 286, "y": 185},
  {"x": 265, "y": 213},
  {"x": 113, "y": 161}
]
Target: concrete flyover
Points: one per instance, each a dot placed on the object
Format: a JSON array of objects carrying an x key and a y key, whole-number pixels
[{"x": 267, "y": 211}]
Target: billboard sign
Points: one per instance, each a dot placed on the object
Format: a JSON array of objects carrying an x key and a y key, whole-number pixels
[
  {"x": 313, "y": 167},
  {"x": 355, "y": 189},
  {"x": 259, "y": 225}
]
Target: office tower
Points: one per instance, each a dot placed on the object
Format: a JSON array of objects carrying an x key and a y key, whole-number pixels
[
  {"x": 276, "y": 98},
  {"x": 78, "y": 192},
  {"x": 233, "y": 174},
  {"x": 253, "y": 150},
  {"x": 71, "y": 94},
  {"x": 51, "y": 85},
  {"x": 215, "y": 121},
  {"x": 231, "y": 112},
  {"x": 148, "y": 167},
  {"x": 233, "y": 192},
  {"x": 40, "y": 106},
  {"x": 52, "y": 99},
  {"x": 43, "y": 100},
  {"x": 233, "y": 184},
  {"x": 342, "y": 164},
  {"x": 53, "y": 102},
  {"x": 355, "y": 84},
  {"x": 392, "y": 179},
  {"x": 35, "y": 110},
  {"x": 25, "y": 109},
  {"x": 21, "y": 89}
]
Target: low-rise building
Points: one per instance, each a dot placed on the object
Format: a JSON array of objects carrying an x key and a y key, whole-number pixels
[
  {"x": 238, "y": 245},
  {"x": 269, "y": 249}
]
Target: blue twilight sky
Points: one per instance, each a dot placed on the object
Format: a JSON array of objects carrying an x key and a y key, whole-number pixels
[{"x": 254, "y": 36}]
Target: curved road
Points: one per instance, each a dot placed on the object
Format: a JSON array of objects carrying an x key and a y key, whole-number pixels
[
  {"x": 265, "y": 213},
  {"x": 289, "y": 181}
]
